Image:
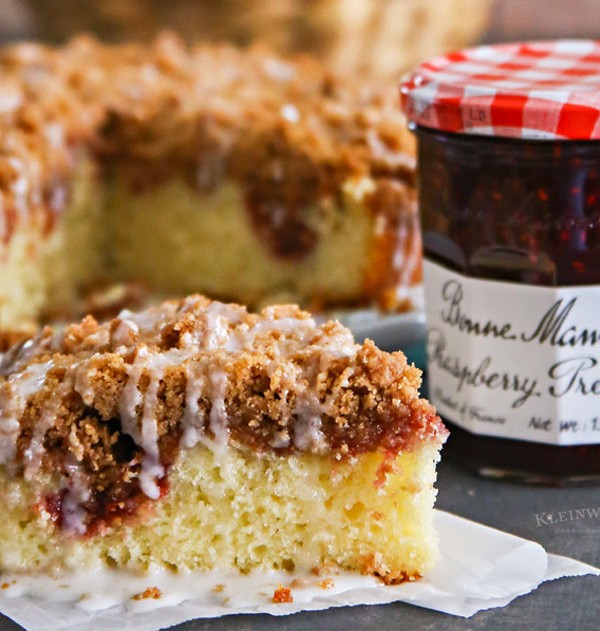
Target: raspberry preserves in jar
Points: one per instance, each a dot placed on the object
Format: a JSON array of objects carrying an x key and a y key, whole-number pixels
[{"x": 509, "y": 192}]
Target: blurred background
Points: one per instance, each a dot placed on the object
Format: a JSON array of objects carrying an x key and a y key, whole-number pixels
[{"x": 384, "y": 37}]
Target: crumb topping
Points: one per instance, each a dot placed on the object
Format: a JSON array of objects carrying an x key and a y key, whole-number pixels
[
  {"x": 150, "y": 592},
  {"x": 327, "y": 583},
  {"x": 108, "y": 407},
  {"x": 287, "y": 129}
]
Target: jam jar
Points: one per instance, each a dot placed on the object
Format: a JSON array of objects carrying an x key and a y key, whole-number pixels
[{"x": 509, "y": 187}]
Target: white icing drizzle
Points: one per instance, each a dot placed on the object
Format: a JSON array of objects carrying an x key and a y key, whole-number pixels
[
  {"x": 146, "y": 321},
  {"x": 11, "y": 409},
  {"x": 83, "y": 385},
  {"x": 78, "y": 492},
  {"x": 20, "y": 185},
  {"x": 131, "y": 397},
  {"x": 283, "y": 326},
  {"x": 337, "y": 346},
  {"x": 308, "y": 435},
  {"x": 215, "y": 333},
  {"x": 49, "y": 412},
  {"x": 14, "y": 395},
  {"x": 144, "y": 433},
  {"x": 218, "y": 413},
  {"x": 193, "y": 423},
  {"x": 125, "y": 332},
  {"x": 151, "y": 466}
]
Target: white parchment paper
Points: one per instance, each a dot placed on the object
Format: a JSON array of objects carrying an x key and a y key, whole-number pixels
[{"x": 480, "y": 568}]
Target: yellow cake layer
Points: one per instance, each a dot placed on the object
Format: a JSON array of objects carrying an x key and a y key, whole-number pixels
[
  {"x": 41, "y": 269},
  {"x": 176, "y": 240},
  {"x": 233, "y": 509}
]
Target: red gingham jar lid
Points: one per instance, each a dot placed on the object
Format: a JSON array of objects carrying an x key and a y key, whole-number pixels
[{"x": 537, "y": 90}]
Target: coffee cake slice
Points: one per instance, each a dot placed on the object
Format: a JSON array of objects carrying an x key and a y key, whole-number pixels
[{"x": 196, "y": 435}]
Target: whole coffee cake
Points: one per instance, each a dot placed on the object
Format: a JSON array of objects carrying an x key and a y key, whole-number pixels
[{"x": 236, "y": 173}]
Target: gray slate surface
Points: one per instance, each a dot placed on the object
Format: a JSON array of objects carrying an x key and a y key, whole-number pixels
[{"x": 572, "y": 604}]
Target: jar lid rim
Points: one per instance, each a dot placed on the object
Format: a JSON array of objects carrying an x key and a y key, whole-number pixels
[{"x": 536, "y": 90}]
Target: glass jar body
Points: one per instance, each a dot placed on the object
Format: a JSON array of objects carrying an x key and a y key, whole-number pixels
[{"x": 524, "y": 212}]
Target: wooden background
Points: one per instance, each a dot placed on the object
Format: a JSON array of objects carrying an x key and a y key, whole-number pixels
[
  {"x": 533, "y": 19},
  {"x": 510, "y": 19}
]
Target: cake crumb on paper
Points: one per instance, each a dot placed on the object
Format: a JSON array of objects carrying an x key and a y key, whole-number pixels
[
  {"x": 283, "y": 595},
  {"x": 150, "y": 592},
  {"x": 326, "y": 583}
]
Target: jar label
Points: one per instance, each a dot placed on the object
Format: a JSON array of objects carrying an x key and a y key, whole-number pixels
[{"x": 512, "y": 360}]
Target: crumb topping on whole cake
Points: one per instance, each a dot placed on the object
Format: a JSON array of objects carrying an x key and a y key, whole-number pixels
[
  {"x": 96, "y": 414},
  {"x": 204, "y": 112}
]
